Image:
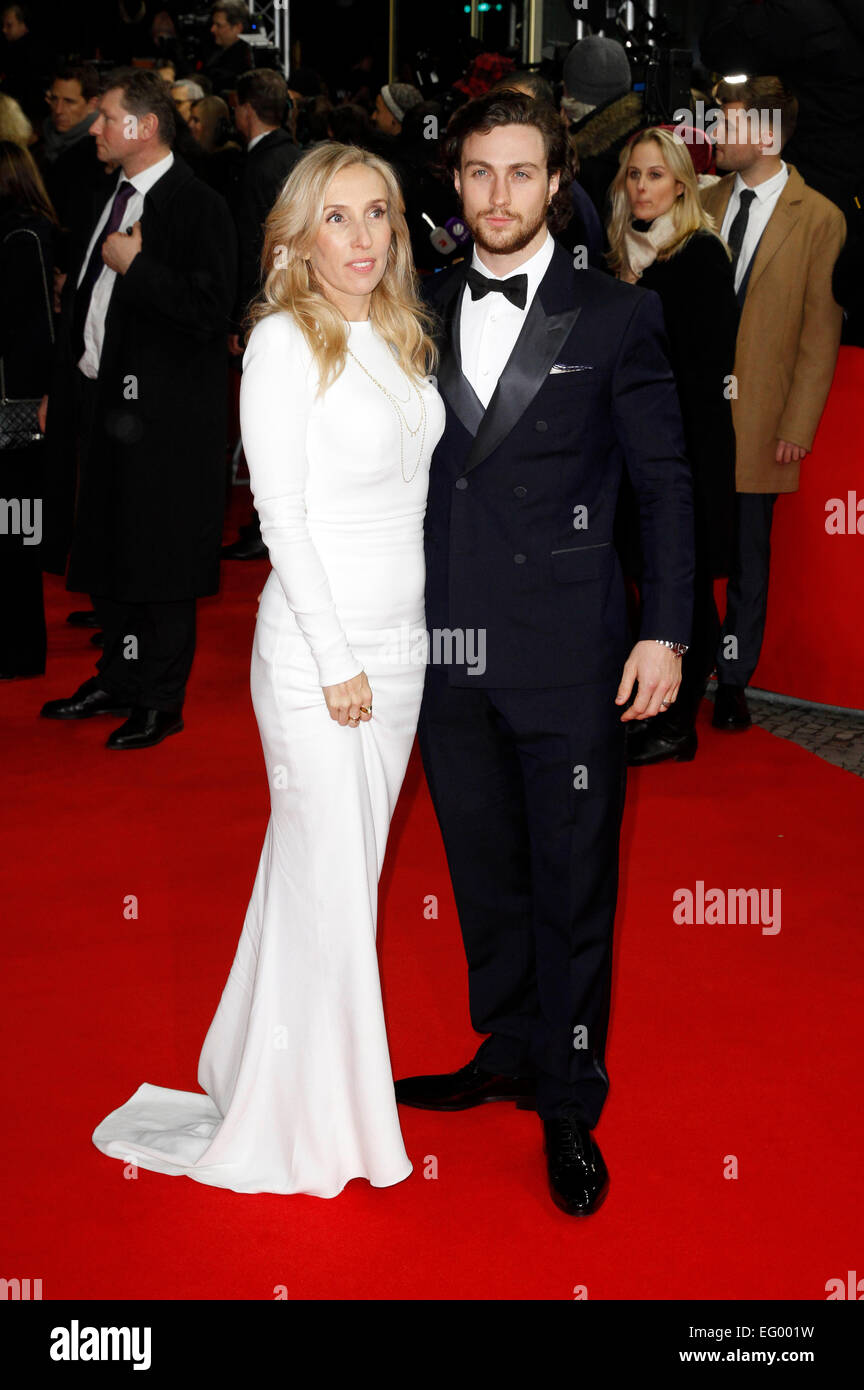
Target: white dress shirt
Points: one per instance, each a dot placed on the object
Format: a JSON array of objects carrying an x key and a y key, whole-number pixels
[
  {"x": 489, "y": 327},
  {"x": 255, "y": 138},
  {"x": 761, "y": 209},
  {"x": 94, "y": 326}
]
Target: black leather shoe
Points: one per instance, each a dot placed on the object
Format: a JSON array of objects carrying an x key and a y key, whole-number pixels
[
  {"x": 246, "y": 548},
  {"x": 730, "y": 709},
  {"x": 649, "y": 745},
  {"x": 82, "y": 617},
  {"x": 89, "y": 699},
  {"x": 578, "y": 1180},
  {"x": 460, "y": 1090},
  {"x": 146, "y": 727}
]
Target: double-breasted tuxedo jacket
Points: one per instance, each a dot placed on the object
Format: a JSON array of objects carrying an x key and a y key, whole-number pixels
[
  {"x": 525, "y": 758},
  {"x": 522, "y": 496}
]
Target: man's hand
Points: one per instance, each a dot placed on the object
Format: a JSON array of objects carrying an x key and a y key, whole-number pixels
[
  {"x": 42, "y": 413},
  {"x": 658, "y": 673},
  {"x": 120, "y": 250},
  {"x": 789, "y": 453}
]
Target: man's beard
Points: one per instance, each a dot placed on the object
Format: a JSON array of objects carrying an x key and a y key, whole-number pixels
[{"x": 519, "y": 236}]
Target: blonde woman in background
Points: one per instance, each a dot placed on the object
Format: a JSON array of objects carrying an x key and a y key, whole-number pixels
[
  {"x": 661, "y": 238},
  {"x": 339, "y": 420},
  {"x": 14, "y": 125}
]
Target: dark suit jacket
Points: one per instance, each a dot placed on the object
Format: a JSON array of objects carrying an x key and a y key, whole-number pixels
[
  {"x": 224, "y": 65},
  {"x": 71, "y": 181},
  {"x": 151, "y": 489},
  {"x": 506, "y": 550},
  {"x": 263, "y": 173}
]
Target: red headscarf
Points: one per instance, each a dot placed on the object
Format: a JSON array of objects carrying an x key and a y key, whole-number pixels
[{"x": 700, "y": 145}]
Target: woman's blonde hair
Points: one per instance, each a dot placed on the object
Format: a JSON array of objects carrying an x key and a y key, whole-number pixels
[
  {"x": 14, "y": 125},
  {"x": 215, "y": 119},
  {"x": 396, "y": 311},
  {"x": 687, "y": 211}
]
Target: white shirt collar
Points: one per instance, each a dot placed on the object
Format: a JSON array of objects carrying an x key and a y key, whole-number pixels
[
  {"x": 255, "y": 138},
  {"x": 535, "y": 267},
  {"x": 768, "y": 188},
  {"x": 143, "y": 182}
]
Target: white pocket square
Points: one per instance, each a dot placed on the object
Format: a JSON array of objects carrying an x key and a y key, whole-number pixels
[{"x": 569, "y": 367}]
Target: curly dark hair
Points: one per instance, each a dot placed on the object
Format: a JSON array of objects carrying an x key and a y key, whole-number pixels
[{"x": 516, "y": 108}]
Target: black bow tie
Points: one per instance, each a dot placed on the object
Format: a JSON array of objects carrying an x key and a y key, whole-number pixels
[{"x": 516, "y": 288}]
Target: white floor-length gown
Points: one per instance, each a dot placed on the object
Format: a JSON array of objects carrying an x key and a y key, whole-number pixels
[{"x": 295, "y": 1065}]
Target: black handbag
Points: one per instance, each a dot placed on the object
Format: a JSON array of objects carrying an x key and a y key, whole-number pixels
[{"x": 19, "y": 418}]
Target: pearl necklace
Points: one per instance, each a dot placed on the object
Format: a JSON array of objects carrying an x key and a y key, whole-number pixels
[{"x": 403, "y": 422}]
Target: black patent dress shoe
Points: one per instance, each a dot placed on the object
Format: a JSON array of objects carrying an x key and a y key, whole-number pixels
[
  {"x": 578, "y": 1179},
  {"x": 82, "y": 617},
  {"x": 89, "y": 699},
  {"x": 246, "y": 548},
  {"x": 146, "y": 727},
  {"x": 649, "y": 745},
  {"x": 460, "y": 1090},
  {"x": 730, "y": 709}
]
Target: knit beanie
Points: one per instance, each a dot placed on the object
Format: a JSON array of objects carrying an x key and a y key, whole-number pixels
[
  {"x": 399, "y": 97},
  {"x": 596, "y": 70}
]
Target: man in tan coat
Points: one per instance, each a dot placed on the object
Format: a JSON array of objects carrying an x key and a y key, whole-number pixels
[{"x": 784, "y": 238}]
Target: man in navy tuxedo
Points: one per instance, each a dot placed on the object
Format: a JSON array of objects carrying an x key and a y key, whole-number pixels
[{"x": 555, "y": 379}]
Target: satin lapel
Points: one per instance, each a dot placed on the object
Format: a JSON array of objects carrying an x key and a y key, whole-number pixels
[
  {"x": 543, "y": 335},
  {"x": 452, "y": 382},
  {"x": 786, "y": 212}
]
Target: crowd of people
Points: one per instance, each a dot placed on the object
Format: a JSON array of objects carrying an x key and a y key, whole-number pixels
[{"x": 672, "y": 209}]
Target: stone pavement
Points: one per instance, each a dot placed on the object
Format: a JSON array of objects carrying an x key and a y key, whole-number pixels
[{"x": 836, "y": 735}]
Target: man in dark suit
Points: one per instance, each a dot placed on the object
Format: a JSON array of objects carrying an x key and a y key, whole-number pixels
[
  {"x": 271, "y": 154},
  {"x": 66, "y": 152},
  {"x": 230, "y": 56},
  {"x": 262, "y": 96},
  {"x": 554, "y": 380},
  {"x": 141, "y": 373}
]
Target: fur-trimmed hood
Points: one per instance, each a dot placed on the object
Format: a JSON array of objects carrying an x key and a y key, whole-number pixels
[{"x": 606, "y": 125}]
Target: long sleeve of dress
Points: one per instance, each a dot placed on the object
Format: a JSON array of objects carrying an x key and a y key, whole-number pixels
[{"x": 276, "y": 396}]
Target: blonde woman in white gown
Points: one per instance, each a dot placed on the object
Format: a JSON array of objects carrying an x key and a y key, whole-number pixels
[{"x": 295, "y": 1065}]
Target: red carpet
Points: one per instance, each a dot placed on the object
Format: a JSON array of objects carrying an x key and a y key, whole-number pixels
[
  {"x": 816, "y": 545},
  {"x": 724, "y": 1040}
]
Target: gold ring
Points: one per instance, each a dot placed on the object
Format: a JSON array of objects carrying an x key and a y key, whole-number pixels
[{"x": 365, "y": 709}]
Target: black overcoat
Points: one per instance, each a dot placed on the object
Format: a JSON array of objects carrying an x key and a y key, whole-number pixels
[
  {"x": 151, "y": 488},
  {"x": 697, "y": 290}
]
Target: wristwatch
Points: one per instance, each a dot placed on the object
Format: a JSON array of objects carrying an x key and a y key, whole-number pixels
[{"x": 677, "y": 648}]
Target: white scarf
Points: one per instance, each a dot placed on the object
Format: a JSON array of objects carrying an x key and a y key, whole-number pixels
[{"x": 640, "y": 248}]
